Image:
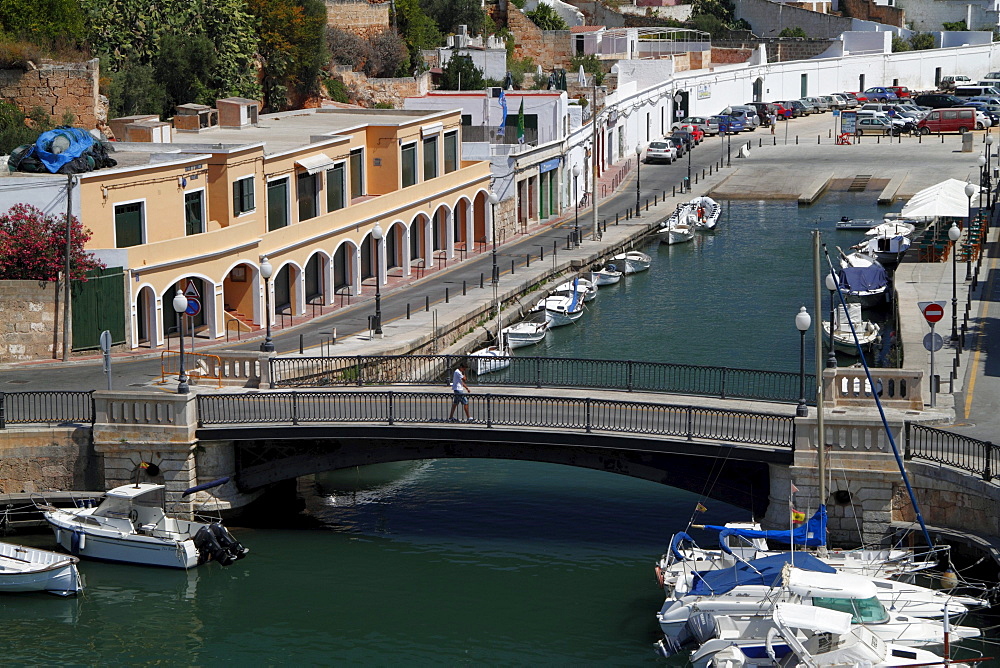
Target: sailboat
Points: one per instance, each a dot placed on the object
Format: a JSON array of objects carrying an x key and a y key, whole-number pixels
[{"x": 495, "y": 357}]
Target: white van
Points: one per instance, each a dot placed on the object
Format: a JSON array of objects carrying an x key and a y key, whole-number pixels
[{"x": 976, "y": 91}]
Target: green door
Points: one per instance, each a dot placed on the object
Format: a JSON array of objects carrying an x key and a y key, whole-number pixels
[{"x": 98, "y": 304}]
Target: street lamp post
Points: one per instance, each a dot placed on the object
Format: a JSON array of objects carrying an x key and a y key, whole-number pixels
[
  {"x": 989, "y": 194},
  {"x": 728, "y": 111},
  {"x": 377, "y": 236},
  {"x": 638, "y": 165},
  {"x": 495, "y": 275},
  {"x": 802, "y": 322},
  {"x": 689, "y": 172},
  {"x": 576, "y": 210},
  {"x": 180, "y": 305},
  {"x": 970, "y": 190},
  {"x": 831, "y": 285},
  {"x": 954, "y": 233},
  {"x": 265, "y": 270},
  {"x": 981, "y": 161}
]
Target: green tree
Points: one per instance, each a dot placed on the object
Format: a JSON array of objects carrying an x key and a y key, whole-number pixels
[
  {"x": 899, "y": 44},
  {"x": 957, "y": 26},
  {"x": 591, "y": 65},
  {"x": 449, "y": 14},
  {"x": 292, "y": 46},
  {"x": 135, "y": 90},
  {"x": 416, "y": 28},
  {"x": 184, "y": 70},
  {"x": 45, "y": 22},
  {"x": 546, "y": 18},
  {"x": 461, "y": 74},
  {"x": 792, "y": 32},
  {"x": 337, "y": 91},
  {"x": 922, "y": 41}
]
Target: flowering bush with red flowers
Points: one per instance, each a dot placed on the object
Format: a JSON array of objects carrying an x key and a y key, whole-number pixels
[{"x": 33, "y": 245}]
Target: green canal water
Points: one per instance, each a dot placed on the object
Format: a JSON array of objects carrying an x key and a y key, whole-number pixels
[{"x": 467, "y": 561}]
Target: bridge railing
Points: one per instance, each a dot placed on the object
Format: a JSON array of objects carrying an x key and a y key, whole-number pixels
[
  {"x": 46, "y": 407},
  {"x": 631, "y": 376},
  {"x": 584, "y": 414},
  {"x": 946, "y": 447}
]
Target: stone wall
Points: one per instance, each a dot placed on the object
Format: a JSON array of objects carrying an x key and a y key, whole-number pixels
[
  {"x": 58, "y": 88},
  {"x": 778, "y": 49},
  {"x": 45, "y": 459},
  {"x": 361, "y": 18},
  {"x": 369, "y": 92},
  {"x": 548, "y": 48},
  {"x": 730, "y": 56},
  {"x": 31, "y": 326},
  {"x": 869, "y": 11}
]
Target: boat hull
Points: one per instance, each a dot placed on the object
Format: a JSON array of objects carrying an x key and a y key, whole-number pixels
[
  {"x": 483, "y": 362},
  {"x": 602, "y": 278},
  {"x": 104, "y": 545},
  {"x": 27, "y": 569}
]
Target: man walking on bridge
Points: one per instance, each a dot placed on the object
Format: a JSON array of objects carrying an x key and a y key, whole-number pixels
[{"x": 461, "y": 391}]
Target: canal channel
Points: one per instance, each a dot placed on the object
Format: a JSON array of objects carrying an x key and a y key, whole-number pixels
[{"x": 471, "y": 561}]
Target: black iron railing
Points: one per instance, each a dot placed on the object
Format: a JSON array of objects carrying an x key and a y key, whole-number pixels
[
  {"x": 46, "y": 407},
  {"x": 945, "y": 447},
  {"x": 631, "y": 376},
  {"x": 489, "y": 410}
]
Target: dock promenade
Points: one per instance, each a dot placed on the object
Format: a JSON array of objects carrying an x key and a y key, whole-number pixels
[{"x": 418, "y": 316}]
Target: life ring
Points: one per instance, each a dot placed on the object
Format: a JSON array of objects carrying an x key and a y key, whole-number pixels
[
  {"x": 133, "y": 516},
  {"x": 659, "y": 576}
]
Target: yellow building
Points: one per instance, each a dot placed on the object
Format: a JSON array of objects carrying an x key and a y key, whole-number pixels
[{"x": 304, "y": 189}]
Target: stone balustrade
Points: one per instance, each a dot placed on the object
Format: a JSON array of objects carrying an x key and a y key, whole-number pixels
[
  {"x": 239, "y": 369},
  {"x": 897, "y": 388}
]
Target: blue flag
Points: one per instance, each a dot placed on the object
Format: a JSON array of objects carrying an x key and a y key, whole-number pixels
[{"x": 503, "y": 106}]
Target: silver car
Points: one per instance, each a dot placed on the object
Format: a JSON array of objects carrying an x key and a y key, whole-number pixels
[
  {"x": 751, "y": 114},
  {"x": 820, "y": 105},
  {"x": 706, "y": 124},
  {"x": 831, "y": 101},
  {"x": 660, "y": 151}
]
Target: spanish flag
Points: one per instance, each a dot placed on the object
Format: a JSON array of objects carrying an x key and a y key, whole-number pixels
[
  {"x": 700, "y": 509},
  {"x": 144, "y": 465},
  {"x": 798, "y": 516}
]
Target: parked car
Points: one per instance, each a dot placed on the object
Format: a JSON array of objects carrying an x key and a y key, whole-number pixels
[
  {"x": 949, "y": 119},
  {"x": 975, "y": 91},
  {"x": 872, "y": 125},
  {"x": 764, "y": 111},
  {"x": 983, "y": 108},
  {"x": 729, "y": 124},
  {"x": 983, "y": 119},
  {"x": 938, "y": 100},
  {"x": 837, "y": 101},
  {"x": 660, "y": 151},
  {"x": 695, "y": 131},
  {"x": 988, "y": 99},
  {"x": 809, "y": 106},
  {"x": 902, "y": 92},
  {"x": 678, "y": 145},
  {"x": 705, "y": 123},
  {"x": 744, "y": 117},
  {"x": 830, "y": 101},
  {"x": 852, "y": 100},
  {"x": 860, "y": 98},
  {"x": 786, "y": 110},
  {"x": 880, "y": 94},
  {"x": 952, "y": 80},
  {"x": 800, "y": 108},
  {"x": 818, "y": 103},
  {"x": 685, "y": 138},
  {"x": 897, "y": 123},
  {"x": 753, "y": 118}
]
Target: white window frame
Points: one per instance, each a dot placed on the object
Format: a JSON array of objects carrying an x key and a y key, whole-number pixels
[
  {"x": 253, "y": 180},
  {"x": 417, "y": 168},
  {"x": 204, "y": 210}
]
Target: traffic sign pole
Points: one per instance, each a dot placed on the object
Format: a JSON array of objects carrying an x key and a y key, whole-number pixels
[{"x": 933, "y": 378}]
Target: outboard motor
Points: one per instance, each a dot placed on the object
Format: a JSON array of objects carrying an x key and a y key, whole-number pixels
[
  {"x": 229, "y": 544},
  {"x": 702, "y": 627},
  {"x": 667, "y": 647},
  {"x": 209, "y": 548}
]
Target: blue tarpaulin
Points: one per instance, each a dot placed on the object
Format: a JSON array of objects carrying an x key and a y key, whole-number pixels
[
  {"x": 57, "y": 147},
  {"x": 811, "y": 534},
  {"x": 863, "y": 279},
  {"x": 766, "y": 571}
]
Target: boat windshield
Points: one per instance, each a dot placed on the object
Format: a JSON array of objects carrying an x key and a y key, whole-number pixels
[
  {"x": 113, "y": 507},
  {"x": 863, "y": 610}
]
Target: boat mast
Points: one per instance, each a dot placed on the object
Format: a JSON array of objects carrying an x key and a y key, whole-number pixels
[{"x": 820, "y": 432}]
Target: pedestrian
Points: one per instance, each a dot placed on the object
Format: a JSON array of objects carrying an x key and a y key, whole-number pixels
[
  {"x": 461, "y": 391},
  {"x": 773, "y": 117}
]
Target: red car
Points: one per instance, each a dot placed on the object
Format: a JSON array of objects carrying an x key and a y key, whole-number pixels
[
  {"x": 782, "y": 111},
  {"x": 861, "y": 97},
  {"x": 902, "y": 92},
  {"x": 697, "y": 133}
]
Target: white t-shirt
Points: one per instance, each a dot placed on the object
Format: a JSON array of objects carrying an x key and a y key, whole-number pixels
[{"x": 457, "y": 379}]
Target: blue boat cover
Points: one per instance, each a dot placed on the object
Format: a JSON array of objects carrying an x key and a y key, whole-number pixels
[
  {"x": 766, "y": 571},
  {"x": 811, "y": 534},
  {"x": 863, "y": 279}
]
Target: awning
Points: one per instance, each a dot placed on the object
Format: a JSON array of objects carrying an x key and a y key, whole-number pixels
[
  {"x": 315, "y": 163},
  {"x": 943, "y": 199}
]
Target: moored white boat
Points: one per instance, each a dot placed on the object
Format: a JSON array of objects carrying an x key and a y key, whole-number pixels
[
  {"x": 704, "y": 213},
  {"x": 863, "y": 278},
  {"x": 561, "y": 310},
  {"x": 676, "y": 229},
  {"x": 497, "y": 356},
  {"x": 130, "y": 525},
  {"x": 607, "y": 274},
  {"x": 526, "y": 332},
  {"x": 846, "y": 223},
  {"x": 24, "y": 569},
  {"x": 843, "y": 338},
  {"x": 887, "y": 249},
  {"x": 633, "y": 261},
  {"x": 586, "y": 288}
]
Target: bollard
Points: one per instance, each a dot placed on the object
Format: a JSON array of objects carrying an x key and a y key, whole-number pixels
[
  {"x": 703, "y": 175},
  {"x": 654, "y": 198},
  {"x": 818, "y": 142},
  {"x": 482, "y": 279},
  {"x": 760, "y": 142},
  {"x": 541, "y": 252},
  {"x": 942, "y": 137},
  {"x": 446, "y": 300},
  {"x": 710, "y": 170},
  {"x": 663, "y": 196},
  {"x": 553, "y": 248},
  {"x": 463, "y": 288},
  {"x": 427, "y": 303},
  {"x": 774, "y": 140},
  {"x": 829, "y": 134},
  {"x": 616, "y": 219},
  {"x": 673, "y": 193},
  {"x": 796, "y": 140},
  {"x": 696, "y": 178},
  {"x": 527, "y": 260},
  {"x": 878, "y": 139},
  {"x": 647, "y": 204},
  {"x": 920, "y": 137},
  {"x": 407, "y": 310},
  {"x": 511, "y": 267},
  {"x": 302, "y": 350}
]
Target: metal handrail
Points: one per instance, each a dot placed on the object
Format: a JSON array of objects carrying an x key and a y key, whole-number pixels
[
  {"x": 490, "y": 410},
  {"x": 228, "y": 317},
  {"x": 46, "y": 407},
  {"x": 628, "y": 375},
  {"x": 951, "y": 449}
]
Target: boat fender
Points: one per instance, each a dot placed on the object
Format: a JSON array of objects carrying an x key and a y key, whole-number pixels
[
  {"x": 948, "y": 579},
  {"x": 659, "y": 576},
  {"x": 703, "y": 627},
  {"x": 226, "y": 540},
  {"x": 59, "y": 536},
  {"x": 667, "y": 647}
]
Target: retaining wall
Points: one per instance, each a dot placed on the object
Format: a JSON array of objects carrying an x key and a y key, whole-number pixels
[
  {"x": 58, "y": 88},
  {"x": 31, "y": 325}
]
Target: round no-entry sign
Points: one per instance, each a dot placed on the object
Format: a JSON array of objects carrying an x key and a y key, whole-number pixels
[{"x": 933, "y": 312}]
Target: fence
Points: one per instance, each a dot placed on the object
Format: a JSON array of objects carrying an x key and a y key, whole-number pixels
[
  {"x": 945, "y": 447},
  {"x": 390, "y": 407},
  {"x": 723, "y": 382},
  {"x": 48, "y": 407}
]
